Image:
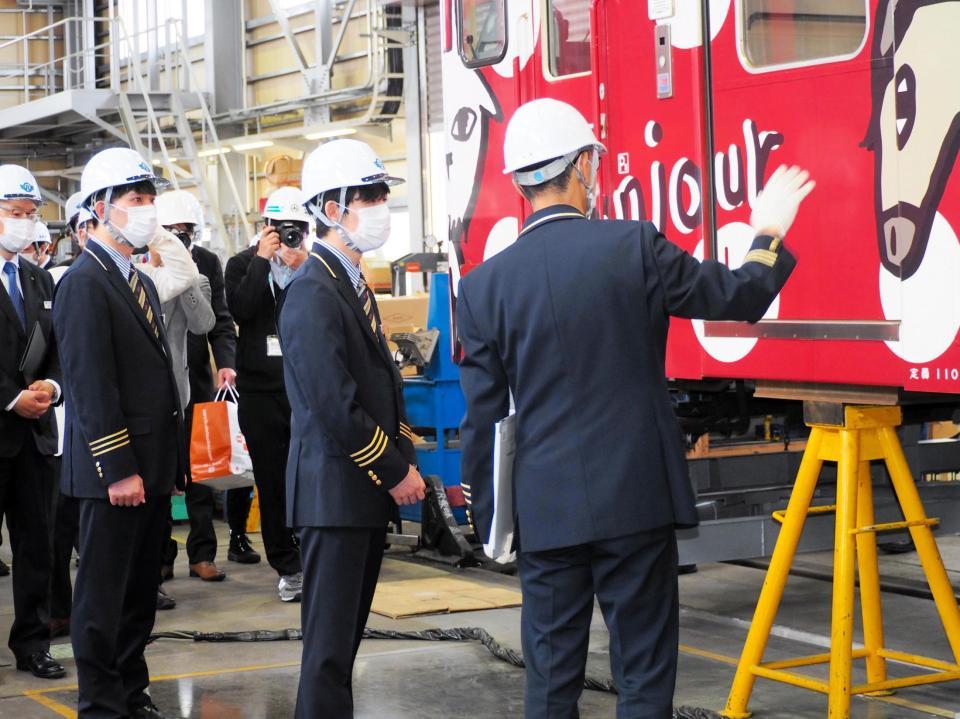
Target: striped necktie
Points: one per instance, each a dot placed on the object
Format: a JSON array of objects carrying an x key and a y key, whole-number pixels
[
  {"x": 140, "y": 294},
  {"x": 366, "y": 299}
]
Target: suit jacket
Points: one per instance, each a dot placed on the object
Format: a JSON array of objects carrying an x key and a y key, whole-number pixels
[
  {"x": 252, "y": 302},
  {"x": 222, "y": 338},
  {"x": 349, "y": 443},
  {"x": 37, "y": 290},
  {"x": 573, "y": 319},
  {"x": 123, "y": 412},
  {"x": 190, "y": 311}
]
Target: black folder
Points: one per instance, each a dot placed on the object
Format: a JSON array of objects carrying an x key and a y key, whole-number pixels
[{"x": 33, "y": 355}]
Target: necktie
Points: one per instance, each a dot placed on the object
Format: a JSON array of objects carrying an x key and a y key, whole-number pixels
[
  {"x": 140, "y": 295},
  {"x": 10, "y": 270},
  {"x": 366, "y": 299}
]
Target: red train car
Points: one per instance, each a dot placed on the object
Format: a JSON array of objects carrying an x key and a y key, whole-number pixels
[{"x": 863, "y": 93}]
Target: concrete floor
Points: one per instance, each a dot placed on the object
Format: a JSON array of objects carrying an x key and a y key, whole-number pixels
[{"x": 397, "y": 680}]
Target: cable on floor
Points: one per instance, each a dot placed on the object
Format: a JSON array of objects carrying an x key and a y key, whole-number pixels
[{"x": 456, "y": 634}]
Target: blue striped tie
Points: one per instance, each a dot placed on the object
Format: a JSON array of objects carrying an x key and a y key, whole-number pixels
[{"x": 10, "y": 270}]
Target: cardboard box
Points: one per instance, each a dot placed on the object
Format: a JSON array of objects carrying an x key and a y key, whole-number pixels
[
  {"x": 377, "y": 274},
  {"x": 403, "y": 314}
]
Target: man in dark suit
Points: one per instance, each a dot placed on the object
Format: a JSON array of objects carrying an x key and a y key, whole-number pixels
[
  {"x": 351, "y": 451},
  {"x": 255, "y": 278},
  {"x": 572, "y": 321},
  {"x": 179, "y": 212},
  {"x": 123, "y": 451},
  {"x": 28, "y": 434}
]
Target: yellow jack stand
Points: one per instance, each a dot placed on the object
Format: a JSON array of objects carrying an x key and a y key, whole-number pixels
[{"x": 852, "y": 440}]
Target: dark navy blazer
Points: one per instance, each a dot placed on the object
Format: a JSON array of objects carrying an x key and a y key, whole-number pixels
[
  {"x": 349, "y": 443},
  {"x": 573, "y": 319},
  {"x": 122, "y": 405}
]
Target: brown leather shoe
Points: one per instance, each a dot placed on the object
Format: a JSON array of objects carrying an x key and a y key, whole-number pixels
[{"x": 207, "y": 571}]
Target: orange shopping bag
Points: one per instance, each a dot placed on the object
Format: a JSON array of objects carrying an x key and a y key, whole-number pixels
[{"x": 217, "y": 446}]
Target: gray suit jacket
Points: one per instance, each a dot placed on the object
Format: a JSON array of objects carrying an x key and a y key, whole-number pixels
[{"x": 189, "y": 311}]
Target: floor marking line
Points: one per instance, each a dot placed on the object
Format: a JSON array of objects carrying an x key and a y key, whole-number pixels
[
  {"x": 896, "y": 701},
  {"x": 53, "y": 705}
]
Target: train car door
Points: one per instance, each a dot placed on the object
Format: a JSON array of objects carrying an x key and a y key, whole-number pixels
[{"x": 790, "y": 84}]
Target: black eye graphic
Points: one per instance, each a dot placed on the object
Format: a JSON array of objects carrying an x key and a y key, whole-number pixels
[
  {"x": 906, "y": 85},
  {"x": 463, "y": 124}
]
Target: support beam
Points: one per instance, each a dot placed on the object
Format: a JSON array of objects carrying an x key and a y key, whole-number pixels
[{"x": 414, "y": 129}]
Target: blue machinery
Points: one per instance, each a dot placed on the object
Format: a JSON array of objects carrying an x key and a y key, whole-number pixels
[{"x": 435, "y": 406}]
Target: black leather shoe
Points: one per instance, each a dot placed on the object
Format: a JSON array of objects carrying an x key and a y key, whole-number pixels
[
  {"x": 241, "y": 551},
  {"x": 165, "y": 601},
  {"x": 41, "y": 665},
  {"x": 4, "y": 569},
  {"x": 147, "y": 711}
]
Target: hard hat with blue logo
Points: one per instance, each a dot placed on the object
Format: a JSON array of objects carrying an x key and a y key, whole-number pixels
[
  {"x": 114, "y": 167},
  {"x": 547, "y": 136},
  {"x": 17, "y": 183},
  {"x": 339, "y": 164}
]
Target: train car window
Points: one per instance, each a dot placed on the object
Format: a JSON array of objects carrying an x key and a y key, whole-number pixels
[
  {"x": 483, "y": 31},
  {"x": 568, "y": 37},
  {"x": 775, "y": 33}
]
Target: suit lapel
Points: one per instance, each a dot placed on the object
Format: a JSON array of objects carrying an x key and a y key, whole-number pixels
[
  {"x": 120, "y": 284},
  {"x": 28, "y": 284},
  {"x": 349, "y": 294},
  {"x": 6, "y": 304}
]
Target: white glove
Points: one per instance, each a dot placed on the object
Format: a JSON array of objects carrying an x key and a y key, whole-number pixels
[{"x": 776, "y": 206}]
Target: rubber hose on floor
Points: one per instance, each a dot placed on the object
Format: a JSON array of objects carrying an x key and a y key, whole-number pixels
[{"x": 456, "y": 634}]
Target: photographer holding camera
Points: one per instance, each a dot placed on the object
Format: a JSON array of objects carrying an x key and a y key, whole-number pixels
[{"x": 255, "y": 279}]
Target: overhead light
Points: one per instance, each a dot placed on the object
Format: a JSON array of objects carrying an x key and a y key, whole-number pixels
[
  {"x": 214, "y": 151},
  {"x": 158, "y": 161},
  {"x": 331, "y": 133},
  {"x": 253, "y": 145}
]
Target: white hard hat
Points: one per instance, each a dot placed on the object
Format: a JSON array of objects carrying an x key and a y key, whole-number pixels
[
  {"x": 16, "y": 183},
  {"x": 113, "y": 167},
  {"x": 74, "y": 210},
  {"x": 342, "y": 163},
  {"x": 43, "y": 235},
  {"x": 286, "y": 204},
  {"x": 178, "y": 207},
  {"x": 543, "y": 130}
]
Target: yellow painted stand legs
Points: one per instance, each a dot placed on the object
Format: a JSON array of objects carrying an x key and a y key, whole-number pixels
[{"x": 867, "y": 433}]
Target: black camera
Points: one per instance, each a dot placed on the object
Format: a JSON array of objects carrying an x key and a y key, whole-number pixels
[{"x": 291, "y": 232}]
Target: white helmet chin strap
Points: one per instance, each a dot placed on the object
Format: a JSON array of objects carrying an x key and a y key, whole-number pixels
[{"x": 318, "y": 212}]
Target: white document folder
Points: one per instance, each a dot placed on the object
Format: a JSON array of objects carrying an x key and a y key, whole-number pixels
[{"x": 499, "y": 546}]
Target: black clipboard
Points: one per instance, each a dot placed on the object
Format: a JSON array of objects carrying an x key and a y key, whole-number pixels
[{"x": 33, "y": 355}]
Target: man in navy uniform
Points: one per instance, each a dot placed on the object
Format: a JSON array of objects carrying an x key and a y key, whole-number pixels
[
  {"x": 123, "y": 453},
  {"x": 572, "y": 320},
  {"x": 28, "y": 435},
  {"x": 351, "y": 456}
]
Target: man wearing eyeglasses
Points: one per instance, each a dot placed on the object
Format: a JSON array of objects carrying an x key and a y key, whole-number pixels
[{"x": 29, "y": 373}]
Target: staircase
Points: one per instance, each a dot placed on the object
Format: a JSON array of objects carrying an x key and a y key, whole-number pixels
[{"x": 98, "y": 91}]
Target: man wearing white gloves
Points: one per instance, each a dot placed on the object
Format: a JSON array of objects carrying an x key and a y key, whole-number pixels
[{"x": 572, "y": 319}]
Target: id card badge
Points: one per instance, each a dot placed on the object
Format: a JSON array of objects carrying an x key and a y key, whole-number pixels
[{"x": 273, "y": 346}]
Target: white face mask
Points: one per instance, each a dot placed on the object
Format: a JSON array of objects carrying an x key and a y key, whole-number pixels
[
  {"x": 373, "y": 228},
  {"x": 141, "y": 225},
  {"x": 17, "y": 234}
]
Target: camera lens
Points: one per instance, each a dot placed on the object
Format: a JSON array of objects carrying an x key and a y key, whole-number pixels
[{"x": 291, "y": 234}]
